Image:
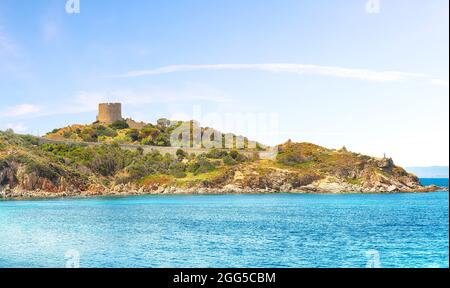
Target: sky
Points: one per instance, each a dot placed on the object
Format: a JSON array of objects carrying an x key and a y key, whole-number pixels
[{"x": 370, "y": 75}]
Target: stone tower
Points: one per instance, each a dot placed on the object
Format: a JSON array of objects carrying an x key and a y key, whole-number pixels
[{"x": 109, "y": 113}]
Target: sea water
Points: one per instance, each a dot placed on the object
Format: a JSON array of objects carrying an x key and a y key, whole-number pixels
[{"x": 279, "y": 230}]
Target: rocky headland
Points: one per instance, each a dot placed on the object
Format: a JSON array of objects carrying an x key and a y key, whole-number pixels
[{"x": 32, "y": 170}]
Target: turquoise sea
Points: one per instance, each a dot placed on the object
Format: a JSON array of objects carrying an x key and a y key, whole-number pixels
[{"x": 395, "y": 230}]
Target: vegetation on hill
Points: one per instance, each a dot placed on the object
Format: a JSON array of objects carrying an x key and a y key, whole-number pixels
[
  {"x": 54, "y": 164},
  {"x": 353, "y": 167},
  {"x": 113, "y": 161},
  {"x": 24, "y": 164},
  {"x": 30, "y": 169},
  {"x": 120, "y": 132}
]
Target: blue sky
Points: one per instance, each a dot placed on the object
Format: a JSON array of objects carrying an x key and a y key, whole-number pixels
[{"x": 332, "y": 73}]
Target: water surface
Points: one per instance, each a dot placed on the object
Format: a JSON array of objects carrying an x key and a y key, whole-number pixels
[{"x": 404, "y": 230}]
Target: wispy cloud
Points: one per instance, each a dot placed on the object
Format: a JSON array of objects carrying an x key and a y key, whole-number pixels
[
  {"x": 303, "y": 69},
  {"x": 439, "y": 82},
  {"x": 18, "y": 127},
  {"x": 87, "y": 101},
  {"x": 7, "y": 46},
  {"x": 20, "y": 110}
]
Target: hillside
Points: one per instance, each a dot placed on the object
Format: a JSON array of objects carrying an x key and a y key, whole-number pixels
[
  {"x": 32, "y": 170},
  {"x": 123, "y": 132},
  {"x": 139, "y": 133}
]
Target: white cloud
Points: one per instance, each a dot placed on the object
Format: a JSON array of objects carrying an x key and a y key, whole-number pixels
[
  {"x": 84, "y": 101},
  {"x": 18, "y": 127},
  {"x": 87, "y": 101},
  {"x": 20, "y": 110},
  {"x": 304, "y": 69},
  {"x": 439, "y": 82}
]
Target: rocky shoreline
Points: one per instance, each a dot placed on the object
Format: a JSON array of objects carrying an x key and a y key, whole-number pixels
[
  {"x": 253, "y": 178},
  {"x": 123, "y": 190}
]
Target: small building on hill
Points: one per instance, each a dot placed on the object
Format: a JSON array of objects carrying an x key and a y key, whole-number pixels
[{"x": 109, "y": 113}]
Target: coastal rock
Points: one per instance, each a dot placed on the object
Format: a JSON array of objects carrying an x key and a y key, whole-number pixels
[
  {"x": 386, "y": 163},
  {"x": 392, "y": 188},
  {"x": 30, "y": 172}
]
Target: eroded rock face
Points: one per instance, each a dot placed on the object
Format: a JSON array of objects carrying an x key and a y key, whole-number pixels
[
  {"x": 386, "y": 163},
  {"x": 254, "y": 178},
  {"x": 16, "y": 182},
  {"x": 8, "y": 176}
]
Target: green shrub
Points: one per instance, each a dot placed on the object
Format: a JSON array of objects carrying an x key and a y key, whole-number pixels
[
  {"x": 237, "y": 156},
  {"x": 67, "y": 134},
  {"x": 29, "y": 139},
  {"x": 119, "y": 125},
  {"x": 230, "y": 161},
  {"x": 178, "y": 169},
  {"x": 204, "y": 166},
  {"x": 133, "y": 134},
  {"x": 138, "y": 171},
  {"x": 149, "y": 131},
  {"x": 163, "y": 123},
  {"x": 192, "y": 167},
  {"x": 216, "y": 154},
  {"x": 42, "y": 170},
  {"x": 291, "y": 159},
  {"x": 259, "y": 147},
  {"x": 181, "y": 154},
  {"x": 162, "y": 140},
  {"x": 179, "y": 174},
  {"x": 147, "y": 141},
  {"x": 107, "y": 160},
  {"x": 88, "y": 137},
  {"x": 105, "y": 131},
  {"x": 122, "y": 139}
]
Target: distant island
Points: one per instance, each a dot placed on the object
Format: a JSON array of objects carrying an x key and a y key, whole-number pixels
[
  {"x": 429, "y": 172},
  {"x": 116, "y": 156}
]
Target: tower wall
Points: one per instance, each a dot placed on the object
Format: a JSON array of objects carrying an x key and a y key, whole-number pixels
[{"x": 109, "y": 113}]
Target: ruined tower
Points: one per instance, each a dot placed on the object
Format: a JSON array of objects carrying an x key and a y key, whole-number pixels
[{"x": 109, "y": 113}]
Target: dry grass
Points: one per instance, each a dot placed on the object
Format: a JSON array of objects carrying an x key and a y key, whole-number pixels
[{"x": 157, "y": 180}]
